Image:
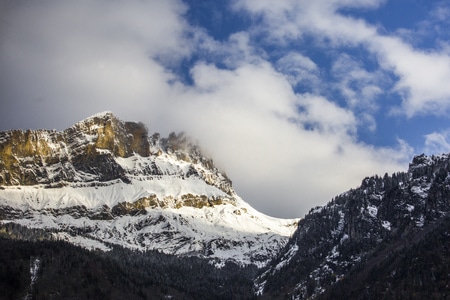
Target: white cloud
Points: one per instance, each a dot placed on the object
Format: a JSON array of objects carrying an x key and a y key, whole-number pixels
[
  {"x": 437, "y": 142},
  {"x": 423, "y": 76},
  {"x": 359, "y": 86},
  {"x": 232, "y": 52},
  {"x": 280, "y": 160},
  {"x": 62, "y": 61},
  {"x": 81, "y": 56},
  {"x": 325, "y": 116},
  {"x": 299, "y": 69},
  {"x": 441, "y": 13}
]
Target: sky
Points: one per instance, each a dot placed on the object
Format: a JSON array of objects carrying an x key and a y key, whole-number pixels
[{"x": 296, "y": 100}]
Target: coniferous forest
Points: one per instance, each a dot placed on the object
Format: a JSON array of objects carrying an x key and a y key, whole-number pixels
[{"x": 70, "y": 272}]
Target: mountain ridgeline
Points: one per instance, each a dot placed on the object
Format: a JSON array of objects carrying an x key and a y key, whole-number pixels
[
  {"x": 387, "y": 239},
  {"x": 85, "y": 153},
  {"x": 104, "y": 210},
  {"x": 104, "y": 183}
]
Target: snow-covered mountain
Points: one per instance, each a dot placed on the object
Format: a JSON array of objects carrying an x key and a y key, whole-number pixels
[
  {"x": 104, "y": 181},
  {"x": 387, "y": 239}
]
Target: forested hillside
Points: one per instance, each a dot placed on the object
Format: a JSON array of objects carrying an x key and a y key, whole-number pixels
[
  {"x": 69, "y": 272},
  {"x": 386, "y": 239}
]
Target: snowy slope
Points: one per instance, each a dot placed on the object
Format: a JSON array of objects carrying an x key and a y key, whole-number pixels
[
  {"x": 104, "y": 181},
  {"x": 232, "y": 230},
  {"x": 224, "y": 231}
]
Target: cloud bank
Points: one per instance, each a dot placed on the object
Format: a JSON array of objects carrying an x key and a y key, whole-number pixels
[{"x": 272, "y": 120}]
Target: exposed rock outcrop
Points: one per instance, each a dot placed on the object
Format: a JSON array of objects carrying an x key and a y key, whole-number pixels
[{"x": 89, "y": 151}]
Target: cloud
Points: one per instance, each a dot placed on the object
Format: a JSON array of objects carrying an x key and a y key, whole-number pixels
[
  {"x": 431, "y": 29},
  {"x": 422, "y": 75},
  {"x": 230, "y": 53},
  {"x": 319, "y": 114},
  {"x": 299, "y": 70},
  {"x": 76, "y": 57},
  {"x": 359, "y": 86},
  {"x": 286, "y": 152},
  {"x": 437, "y": 142}
]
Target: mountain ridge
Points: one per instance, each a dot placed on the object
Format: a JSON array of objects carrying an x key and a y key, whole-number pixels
[
  {"x": 380, "y": 225},
  {"x": 27, "y": 156},
  {"x": 99, "y": 186},
  {"x": 120, "y": 185}
]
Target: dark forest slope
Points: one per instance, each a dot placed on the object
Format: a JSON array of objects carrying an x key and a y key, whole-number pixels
[
  {"x": 388, "y": 238},
  {"x": 69, "y": 272}
]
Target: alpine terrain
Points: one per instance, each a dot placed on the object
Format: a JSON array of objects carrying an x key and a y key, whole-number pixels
[
  {"x": 104, "y": 181},
  {"x": 387, "y": 239},
  {"x": 102, "y": 210}
]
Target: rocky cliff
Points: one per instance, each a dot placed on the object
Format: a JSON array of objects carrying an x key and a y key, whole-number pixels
[
  {"x": 87, "y": 152},
  {"x": 108, "y": 180}
]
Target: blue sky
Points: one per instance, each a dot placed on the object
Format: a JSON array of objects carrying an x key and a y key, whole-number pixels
[{"x": 296, "y": 100}]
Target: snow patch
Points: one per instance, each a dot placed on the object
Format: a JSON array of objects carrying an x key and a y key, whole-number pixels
[
  {"x": 340, "y": 226},
  {"x": 83, "y": 242},
  {"x": 287, "y": 257},
  {"x": 420, "y": 222},
  {"x": 421, "y": 191},
  {"x": 386, "y": 225},
  {"x": 372, "y": 210},
  {"x": 35, "y": 264}
]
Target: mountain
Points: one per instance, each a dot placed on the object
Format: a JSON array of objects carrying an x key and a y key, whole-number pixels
[
  {"x": 387, "y": 239},
  {"x": 102, "y": 210},
  {"x": 105, "y": 182}
]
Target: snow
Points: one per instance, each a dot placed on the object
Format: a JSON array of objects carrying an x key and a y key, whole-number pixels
[
  {"x": 287, "y": 257},
  {"x": 86, "y": 243},
  {"x": 420, "y": 222},
  {"x": 340, "y": 226},
  {"x": 100, "y": 115},
  {"x": 103, "y": 151},
  {"x": 259, "y": 286},
  {"x": 232, "y": 230},
  {"x": 38, "y": 197},
  {"x": 372, "y": 210},
  {"x": 34, "y": 269},
  {"x": 421, "y": 191},
  {"x": 334, "y": 254},
  {"x": 185, "y": 230},
  {"x": 35, "y": 264},
  {"x": 386, "y": 225},
  {"x": 181, "y": 231}
]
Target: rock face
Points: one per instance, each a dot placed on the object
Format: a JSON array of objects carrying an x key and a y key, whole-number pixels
[
  {"x": 109, "y": 180},
  {"x": 390, "y": 229},
  {"x": 86, "y": 152}
]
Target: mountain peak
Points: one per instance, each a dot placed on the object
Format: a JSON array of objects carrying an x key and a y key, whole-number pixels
[
  {"x": 94, "y": 149},
  {"x": 104, "y": 115},
  {"x": 97, "y": 120},
  {"x": 139, "y": 191}
]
